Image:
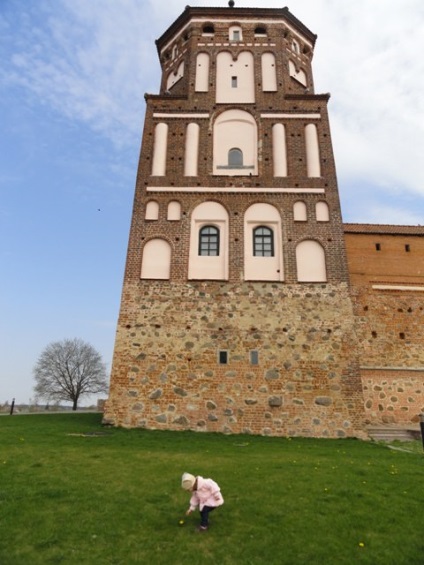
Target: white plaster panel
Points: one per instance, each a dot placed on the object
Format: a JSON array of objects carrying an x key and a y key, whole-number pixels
[
  {"x": 269, "y": 73},
  {"x": 191, "y": 157},
  {"x": 279, "y": 150},
  {"x": 262, "y": 268},
  {"x": 174, "y": 77},
  {"x": 238, "y": 189},
  {"x": 321, "y": 212},
  {"x": 152, "y": 210},
  {"x": 300, "y": 212},
  {"x": 312, "y": 151},
  {"x": 156, "y": 263},
  {"x": 159, "y": 150},
  {"x": 310, "y": 262},
  {"x": 205, "y": 267},
  {"x": 167, "y": 116},
  {"x": 174, "y": 211},
  {"x": 202, "y": 72},
  {"x": 233, "y": 31},
  {"x": 298, "y": 74},
  {"x": 235, "y": 129},
  {"x": 243, "y": 70}
]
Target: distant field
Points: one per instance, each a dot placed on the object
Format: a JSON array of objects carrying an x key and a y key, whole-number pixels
[{"x": 74, "y": 492}]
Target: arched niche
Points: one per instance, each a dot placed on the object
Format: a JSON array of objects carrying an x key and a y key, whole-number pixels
[
  {"x": 156, "y": 261},
  {"x": 152, "y": 210},
  {"x": 300, "y": 213},
  {"x": 262, "y": 266},
  {"x": 235, "y": 79},
  {"x": 310, "y": 262},
  {"x": 213, "y": 215},
  {"x": 235, "y": 130}
]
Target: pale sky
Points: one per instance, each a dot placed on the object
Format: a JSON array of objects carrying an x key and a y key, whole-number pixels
[{"x": 73, "y": 75}]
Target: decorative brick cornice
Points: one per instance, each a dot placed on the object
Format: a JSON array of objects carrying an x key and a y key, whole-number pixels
[{"x": 234, "y": 14}]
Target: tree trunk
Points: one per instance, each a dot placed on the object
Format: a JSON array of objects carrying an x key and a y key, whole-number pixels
[{"x": 75, "y": 404}]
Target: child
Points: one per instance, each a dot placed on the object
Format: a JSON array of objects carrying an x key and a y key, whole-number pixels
[{"x": 206, "y": 495}]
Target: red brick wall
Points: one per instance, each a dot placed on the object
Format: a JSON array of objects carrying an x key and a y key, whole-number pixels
[{"x": 389, "y": 320}]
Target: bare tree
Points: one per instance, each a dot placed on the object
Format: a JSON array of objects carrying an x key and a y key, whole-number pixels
[{"x": 69, "y": 369}]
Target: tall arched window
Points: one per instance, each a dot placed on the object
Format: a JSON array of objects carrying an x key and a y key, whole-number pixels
[
  {"x": 209, "y": 241},
  {"x": 208, "y": 257},
  {"x": 263, "y": 242},
  {"x": 235, "y": 157},
  {"x": 263, "y": 253}
]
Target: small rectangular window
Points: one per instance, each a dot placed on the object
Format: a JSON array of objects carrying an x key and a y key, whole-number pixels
[
  {"x": 407, "y": 248},
  {"x": 223, "y": 357},
  {"x": 254, "y": 357},
  {"x": 377, "y": 247},
  {"x": 233, "y": 82},
  {"x": 236, "y": 35}
]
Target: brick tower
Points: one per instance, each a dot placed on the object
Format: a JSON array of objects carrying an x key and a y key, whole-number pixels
[{"x": 236, "y": 315}]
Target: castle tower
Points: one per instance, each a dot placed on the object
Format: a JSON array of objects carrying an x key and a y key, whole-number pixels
[{"x": 235, "y": 314}]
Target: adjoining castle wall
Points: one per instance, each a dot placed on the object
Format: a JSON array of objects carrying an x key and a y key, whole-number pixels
[
  {"x": 387, "y": 287},
  {"x": 167, "y": 373}
]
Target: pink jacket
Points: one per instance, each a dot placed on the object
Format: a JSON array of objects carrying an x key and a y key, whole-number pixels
[{"x": 208, "y": 493}]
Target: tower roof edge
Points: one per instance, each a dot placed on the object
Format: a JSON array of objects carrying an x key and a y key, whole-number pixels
[{"x": 258, "y": 13}]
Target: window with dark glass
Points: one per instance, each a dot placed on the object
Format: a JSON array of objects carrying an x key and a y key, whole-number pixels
[
  {"x": 209, "y": 241},
  {"x": 223, "y": 357},
  {"x": 235, "y": 157},
  {"x": 263, "y": 242},
  {"x": 254, "y": 357}
]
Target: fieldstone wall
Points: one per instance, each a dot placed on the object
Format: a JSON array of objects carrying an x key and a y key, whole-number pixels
[
  {"x": 393, "y": 396},
  {"x": 167, "y": 375},
  {"x": 390, "y": 330}
]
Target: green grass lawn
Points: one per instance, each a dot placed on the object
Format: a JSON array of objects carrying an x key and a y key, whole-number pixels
[{"x": 70, "y": 497}]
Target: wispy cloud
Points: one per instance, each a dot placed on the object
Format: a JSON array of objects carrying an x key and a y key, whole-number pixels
[
  {"x": 93, "y": 61},
  {"x": 90, "y": 61}
]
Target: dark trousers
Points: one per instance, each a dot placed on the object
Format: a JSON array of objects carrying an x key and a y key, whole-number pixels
[{"x": 204, "y": 514}]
